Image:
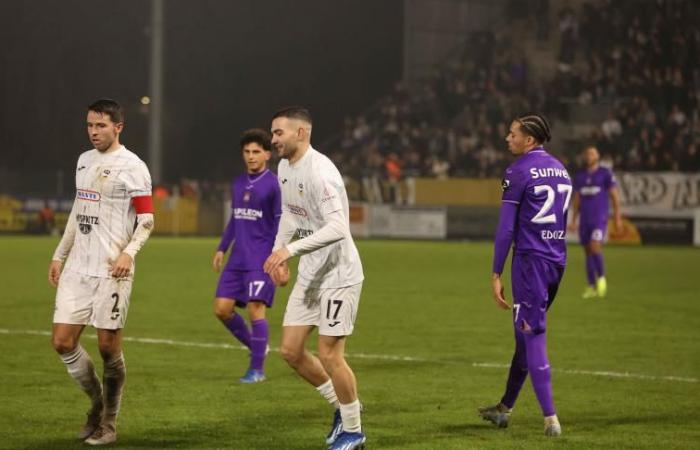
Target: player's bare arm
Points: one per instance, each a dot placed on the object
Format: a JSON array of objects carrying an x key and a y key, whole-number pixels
[
  {"x": 615, "y": 198},
  {"x": 574, "y": 214}
]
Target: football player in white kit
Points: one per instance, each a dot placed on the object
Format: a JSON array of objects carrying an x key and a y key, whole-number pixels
[
  {"x": 329, "y": 280},
  {"x": 111, "y": 219}
]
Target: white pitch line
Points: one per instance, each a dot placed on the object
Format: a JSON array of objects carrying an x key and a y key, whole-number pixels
[
  {"x": 211, "y": 345},
  {"x": 171, "y": 342},
  {"x": 600, "y": 373}
]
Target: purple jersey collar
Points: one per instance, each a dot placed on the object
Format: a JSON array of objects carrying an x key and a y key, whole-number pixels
[{"x": 257, "y": 177}]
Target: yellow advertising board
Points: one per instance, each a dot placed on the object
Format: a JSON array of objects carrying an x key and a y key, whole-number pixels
[{"x": 458, "y": 192}]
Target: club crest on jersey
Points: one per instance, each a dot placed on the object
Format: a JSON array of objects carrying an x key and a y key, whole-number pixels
[
  {"x": 246, "y": 196},
  {"x": 86, "y": 194},
  {"x": 106, "y": 172},
  {"x": 301, "y": 188},
  {"x": 86, "y": 222},
  {"x": 505, "y": 184}
]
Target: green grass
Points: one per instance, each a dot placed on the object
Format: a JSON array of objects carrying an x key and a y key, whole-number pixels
[{"x": 427, "y": 300}]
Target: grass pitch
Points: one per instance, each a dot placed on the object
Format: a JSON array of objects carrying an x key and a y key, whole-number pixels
[{"x": 429, "y": 347}]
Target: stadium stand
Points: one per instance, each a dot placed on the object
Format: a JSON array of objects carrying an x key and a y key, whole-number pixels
[{"x": 624, "y": 77}]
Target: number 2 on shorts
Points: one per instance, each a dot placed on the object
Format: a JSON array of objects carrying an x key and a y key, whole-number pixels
[{"x": 115, "y": 308}]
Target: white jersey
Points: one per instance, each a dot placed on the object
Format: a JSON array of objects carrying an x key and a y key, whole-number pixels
[
  {"x": 312, "y": 188},
  {"x": 105, "y": 184}
]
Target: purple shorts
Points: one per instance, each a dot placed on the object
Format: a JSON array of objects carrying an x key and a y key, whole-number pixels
[
  {"x": 595, "y": 231},
  {"x": 535, "y": 282},
  {"x": 246, "y": 285}
]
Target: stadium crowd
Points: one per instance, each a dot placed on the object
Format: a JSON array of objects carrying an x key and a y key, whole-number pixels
[{"x": 639, "y": 59}]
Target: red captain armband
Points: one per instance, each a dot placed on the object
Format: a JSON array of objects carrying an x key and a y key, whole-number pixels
[{"x": 143, "y": 204}]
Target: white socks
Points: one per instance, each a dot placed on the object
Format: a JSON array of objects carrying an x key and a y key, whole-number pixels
[
  {"x": 350, "y": 414},
  {"x": 114, "y": 377},
  {"x": 82, "y": 370},
  {"x": 328, "y": 392}
]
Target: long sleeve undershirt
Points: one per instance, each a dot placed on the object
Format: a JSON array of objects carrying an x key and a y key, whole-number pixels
[
  {"x": 504, "y": 235},
  {"x": 145, "y": 223},
  {"x": 67, "y": 239},
  {"x": 333, "y": 231},
  {"x": 228, "y": 236},
  {"x": 285, "y": 231}
]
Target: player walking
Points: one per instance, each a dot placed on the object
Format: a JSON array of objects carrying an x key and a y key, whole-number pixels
[
  {"x": 536, "y": 195},
  {"x": 329, "y": 280},
  {"x": 255, "y": 215},
  {"x": 592, "y": 187},
  {"x": 111, "y": 219}
]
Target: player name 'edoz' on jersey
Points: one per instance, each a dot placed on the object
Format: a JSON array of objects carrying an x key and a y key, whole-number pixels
[
  {"x": 105, "y": 185},
  {"x": 541, "y": 186}
]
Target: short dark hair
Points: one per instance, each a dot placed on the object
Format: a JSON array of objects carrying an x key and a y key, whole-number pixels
[
  {"x": 110, "y": 107},
  {"x": 258, "y": 136},
  {"x": 294, "y": 112},
  {"x": 535, "y": 125}
]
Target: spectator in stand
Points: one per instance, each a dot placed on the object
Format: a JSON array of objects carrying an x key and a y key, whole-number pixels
[
  {"x": 392, "y": 168},
  {"x": 47, "y": 219}
]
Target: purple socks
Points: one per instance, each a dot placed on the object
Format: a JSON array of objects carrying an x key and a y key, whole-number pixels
[
  {"x": 518, "y": 372},
  {"x": 530, "y": 357},
  {"x": 590, "y": 270},
  {"x": 258, "y": 344},
  {"x": 598, "y": 264},
  {"x": 594, "y": 267},
  {"x": 237, "y": 326},
  {"x": 540, "y": 372},
  {"x": 255, "y": 339}
]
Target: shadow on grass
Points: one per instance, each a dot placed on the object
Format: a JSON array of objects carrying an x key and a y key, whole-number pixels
[{"x": 207, "y": 435}]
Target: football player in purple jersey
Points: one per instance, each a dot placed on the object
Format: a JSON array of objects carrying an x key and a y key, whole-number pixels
[
  {"x": 592, "y": 187},
  {"x": 536, "y": 194},
  {"x": 255, "y": 215}
]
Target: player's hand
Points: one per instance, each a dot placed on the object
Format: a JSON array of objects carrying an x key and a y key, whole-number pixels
[
  {"x": 218, "y": 261},
  {"x": 122, "y": 266},
  {"x": 54, "y": 272},
  {"x": 573, "y": 225},
  {"x": 280, "y": 276},
  {"x": 497, "y": 288},
  {"x": 277, "y": 257}
]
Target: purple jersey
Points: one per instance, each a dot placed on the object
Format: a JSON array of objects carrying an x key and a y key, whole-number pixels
[
  {"x": 593, "y": 188},
  {"x": 256, "y": 210},
  {"x": 540, "y": 186}
]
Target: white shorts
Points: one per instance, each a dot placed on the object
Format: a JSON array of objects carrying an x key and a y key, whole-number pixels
[
  {"x": 332, "y": 310},
  {"x": 85, "y": 300}
]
